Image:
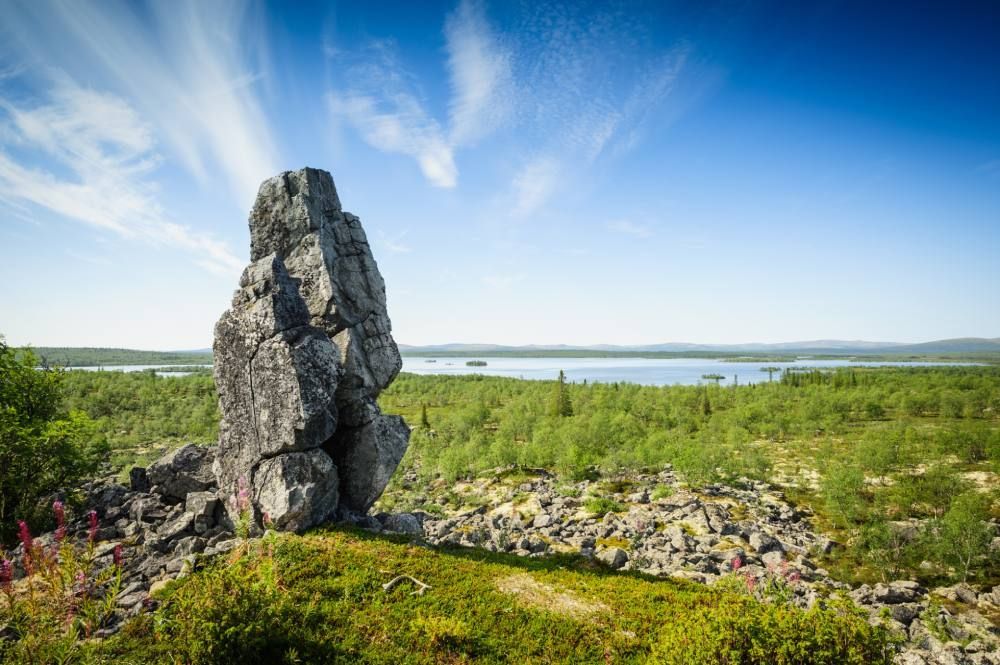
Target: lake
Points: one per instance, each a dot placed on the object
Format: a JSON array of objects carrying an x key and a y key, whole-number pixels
[{"x": 645, "y": 371}]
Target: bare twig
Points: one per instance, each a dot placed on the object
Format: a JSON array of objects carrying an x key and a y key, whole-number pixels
[{"x": 400, "y": 578}]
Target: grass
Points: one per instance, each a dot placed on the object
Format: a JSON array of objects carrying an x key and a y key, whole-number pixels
[
  {"x": 600, "y": 505},
  {"x": 319, "y": 598}
]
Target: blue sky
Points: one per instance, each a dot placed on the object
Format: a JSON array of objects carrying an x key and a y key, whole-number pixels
[{"x": 526, "y": 172}]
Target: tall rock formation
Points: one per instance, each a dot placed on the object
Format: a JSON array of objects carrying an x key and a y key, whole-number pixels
[{"x": 301, "y": 357}]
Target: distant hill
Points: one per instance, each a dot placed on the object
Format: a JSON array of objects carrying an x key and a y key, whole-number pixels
[
  {"x": 975, "y": 346},
  {"x": 814, "y": 347},
  {"x": 65, "y": 356}
]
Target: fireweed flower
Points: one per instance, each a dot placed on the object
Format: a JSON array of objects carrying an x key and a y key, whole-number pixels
[
  {"x": 736, "y": 563},
  {"x": 24, "y": 535},
  {"x": 6, "y": 574},
  {"x": 92, "y": 531},
  {"x": 242, "y": 494},
  {"x": 60, "y": 512},
  {"x": 118, "y": 555}
]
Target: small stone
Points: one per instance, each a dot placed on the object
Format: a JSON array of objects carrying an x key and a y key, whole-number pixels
[
  {"x": 614, "y": 557},
  {"x": 138, "y": 479},
  {"x": 406, "y": 523},
  {"x": 189, "y": 545},
  {"x": 764, "y": 543},
  {"x": 542, "y": 520}
]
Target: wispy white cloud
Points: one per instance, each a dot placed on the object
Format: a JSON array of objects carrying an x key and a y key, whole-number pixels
[
  {"x": 101, "y": 154},
  {"x": 630, "y": 228},
  {"x": 534, "y": 183},
  {"x": 390, "y": 117},
  {"x": 577, "y": 86},
  {"x": 479, "y": 66},
  {"x": 393, "y": 243},
  {"x": 188, "y": 67},
  {"x": 382, "y": 100}
]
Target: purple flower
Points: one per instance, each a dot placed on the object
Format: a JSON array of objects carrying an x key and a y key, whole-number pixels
[
  {"x": 60, "y": 511},
  {"x": 92, "y": 531},
  {"x": 24, "y": 535},
  {"x": 6, "y": 574},
  {"x": 736, "y": 563},
  {"x": 118, "y": 555}
]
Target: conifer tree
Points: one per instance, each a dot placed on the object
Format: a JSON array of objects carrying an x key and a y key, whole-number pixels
[{"x": 561, "y": 406}]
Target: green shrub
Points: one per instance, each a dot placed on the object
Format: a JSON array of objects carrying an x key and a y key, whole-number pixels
[
  {"x": 600, "y": 505},
  {"x": 746, "y": 632},
  {"x": 965, "y": 533},
  {"x": 42, "y": 448},
  {"x": 238, "y": 613},
  {"x": 662, "y": 492}
]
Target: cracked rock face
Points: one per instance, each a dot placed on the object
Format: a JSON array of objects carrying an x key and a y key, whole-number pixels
[{"x": 301, "y": 357}]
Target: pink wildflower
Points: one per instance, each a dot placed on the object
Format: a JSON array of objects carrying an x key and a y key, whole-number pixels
[
  {"x": 60, "y": 512},
  {"x": 793, "y": 577},
  {"x": 6, "y": 574},
  {"x": 92, "y": 531},
  {"x": 117, "y": 555},
  {"x": 24, "y": 535},
  {"x": 80, "y": 578},
  {"x": 267, "y": 520},
  {"x": 736, "y": 563},
  {"x": 242, "y": 494},
  {"x": 751, "y": 583}
]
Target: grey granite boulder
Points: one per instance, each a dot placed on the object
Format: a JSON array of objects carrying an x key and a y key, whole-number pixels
[
  {"x": 187, "y": 469},
  {"x": 366, "y": 457},
  {"x": 300, "y": 358},
  {"x": 296, "y": 490}
]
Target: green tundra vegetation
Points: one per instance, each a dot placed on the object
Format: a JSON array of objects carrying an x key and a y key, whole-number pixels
[
  {"x": 321, "y": 598},
  {"x": 142, "y": 414},
  {"x": 45, "y": 444},
  {"x": 58, "y": 356},
  {"x": 869, "y": 450},
  {"x": 898, "y": 464}
]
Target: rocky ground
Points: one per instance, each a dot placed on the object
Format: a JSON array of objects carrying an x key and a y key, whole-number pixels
[
  {"x": 172, "y": 518},
  {"x": 654, "y": 525}
]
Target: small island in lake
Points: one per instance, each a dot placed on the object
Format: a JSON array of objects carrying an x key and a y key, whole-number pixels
[{"x": 475, "y": 363}]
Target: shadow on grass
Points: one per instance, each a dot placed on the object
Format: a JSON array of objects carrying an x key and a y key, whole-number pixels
[{"x": 570, "y": 562}]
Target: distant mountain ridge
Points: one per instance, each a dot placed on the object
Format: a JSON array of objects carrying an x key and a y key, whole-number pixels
[
  {"x": 958, "y": 345},
  {"x": 972, "y": 346}
]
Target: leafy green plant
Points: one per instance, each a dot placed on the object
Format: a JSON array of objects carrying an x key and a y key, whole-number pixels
[
  {"x": 745, "y": 632},
  {"x": 599, "y": 505},
  {"x": 42, "y": 447},
  {"x": 62, "y": 599},
  {"x": 662, "y": 492}
]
